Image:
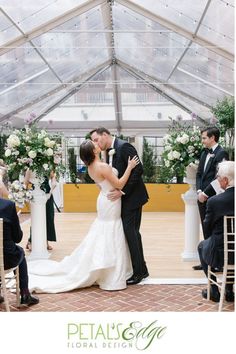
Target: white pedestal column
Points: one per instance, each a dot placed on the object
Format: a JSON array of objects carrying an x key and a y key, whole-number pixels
[
  {"x": 192, "y": 222},
  {"x": 38, "y": 224}
]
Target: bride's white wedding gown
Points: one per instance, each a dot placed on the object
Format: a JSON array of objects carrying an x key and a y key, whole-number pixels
[{"x": 102, "y": 257}]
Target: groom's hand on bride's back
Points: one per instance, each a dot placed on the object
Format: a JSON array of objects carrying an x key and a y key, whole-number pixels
[{"x": 114, "y": 195}]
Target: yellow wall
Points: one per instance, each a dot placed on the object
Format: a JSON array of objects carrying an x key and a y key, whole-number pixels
[
  {"x": 163, "y": 197},
  {"x": 80, "y": 197}
]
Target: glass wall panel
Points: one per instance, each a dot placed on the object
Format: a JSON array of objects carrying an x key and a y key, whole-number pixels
[
  {"x": 142, "y": 103},
  {"x": 93, "y": 102}
]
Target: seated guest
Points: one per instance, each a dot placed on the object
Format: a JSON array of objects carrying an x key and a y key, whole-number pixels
[
  {"x": 211, "y": 249},
  {"x": 14, "y": 254}
]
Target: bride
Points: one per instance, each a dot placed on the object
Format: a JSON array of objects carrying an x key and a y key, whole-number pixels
[{"x": 102, "y": 257}]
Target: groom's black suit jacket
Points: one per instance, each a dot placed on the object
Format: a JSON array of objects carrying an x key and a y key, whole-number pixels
[
  {"x": 204, "y": 178},
  {"x": 135, "y": 191}
]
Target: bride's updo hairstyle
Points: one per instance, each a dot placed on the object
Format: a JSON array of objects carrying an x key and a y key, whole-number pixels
[{"x": 86, "y": 152}]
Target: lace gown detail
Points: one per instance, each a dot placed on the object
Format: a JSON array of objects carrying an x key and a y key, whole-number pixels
[{"x": 102, "y": 257}]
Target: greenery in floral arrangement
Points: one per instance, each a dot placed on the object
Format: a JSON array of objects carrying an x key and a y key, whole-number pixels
[
  {"x": 182, "y": 146},
  {"x": 34, "y": 149},
  {"x": 224, "y": 115},
  {"x": 149, "y": 163}
]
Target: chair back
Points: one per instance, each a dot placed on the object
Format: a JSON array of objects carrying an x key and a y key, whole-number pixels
[
  {"x": 229, "y": 240},
  {"x": 1, "y": 244}
]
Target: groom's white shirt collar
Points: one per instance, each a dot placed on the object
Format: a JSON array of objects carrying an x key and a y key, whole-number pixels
[{"x": 113, "y": 141}]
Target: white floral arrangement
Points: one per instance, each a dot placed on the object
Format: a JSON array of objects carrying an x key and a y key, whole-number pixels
[
  {"x": 33, "y": 149},
  {"x": 19, "y": 194},
  {"x": 182, "y": 146}
]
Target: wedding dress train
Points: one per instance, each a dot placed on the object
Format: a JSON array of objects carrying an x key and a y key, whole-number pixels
[{"x": 102, "y": 257}]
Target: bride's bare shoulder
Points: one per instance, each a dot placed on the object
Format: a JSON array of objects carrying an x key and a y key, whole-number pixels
[{"x": 105, "y": 169}]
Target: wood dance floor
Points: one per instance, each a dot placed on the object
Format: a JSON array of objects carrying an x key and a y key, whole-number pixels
[{"x": 163, "y": 241}]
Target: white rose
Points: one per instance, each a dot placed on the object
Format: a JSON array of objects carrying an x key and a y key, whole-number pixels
[
  {"x": 167, "y": 148},
  {"x": 178, "y": 139},
  {"x": 45, "y": 166},
  {"x": 167, "y": 163},
  {"x": 13, "y": 141},
  {"x": 185, "y": 138},
  {"x": 176, "y": 155},
  {"x": 16, "y": 185},
  {"x": 8, "y": 152},
  {"x": 49, "y": 143},
  {"x": 49, "y": 152},
  {"x": 32, "y": 154}
]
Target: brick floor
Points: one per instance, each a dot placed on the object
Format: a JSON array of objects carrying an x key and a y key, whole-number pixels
[{"x": 161, "y": 298}]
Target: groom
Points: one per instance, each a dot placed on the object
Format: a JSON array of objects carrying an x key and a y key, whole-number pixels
[{"x": 134, "y": 196}]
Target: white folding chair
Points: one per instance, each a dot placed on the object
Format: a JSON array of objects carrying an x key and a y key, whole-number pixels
[
  {"x": 227, "y": 276},
  {"x": 9, "y": 279}
]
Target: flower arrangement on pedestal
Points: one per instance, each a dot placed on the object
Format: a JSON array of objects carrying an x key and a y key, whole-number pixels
[
  {"x": 33, "y": 149},
  {"x": 19, "y": 193},
  {"x": 182, "y": 146}
]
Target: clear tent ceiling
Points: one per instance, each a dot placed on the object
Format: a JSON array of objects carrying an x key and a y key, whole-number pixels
[{"x": 107, "y": 57}]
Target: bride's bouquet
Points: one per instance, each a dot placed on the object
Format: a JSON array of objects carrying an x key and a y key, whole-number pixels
[{"x": 19, "y": 194}]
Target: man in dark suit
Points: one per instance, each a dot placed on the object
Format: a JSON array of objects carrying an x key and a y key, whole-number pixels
[
  {"x": 14, "y": 254},
  {"x": 211, "y": 249},
  {"x": 134, "y": 196},
  {"x": 206, "y": 173}
]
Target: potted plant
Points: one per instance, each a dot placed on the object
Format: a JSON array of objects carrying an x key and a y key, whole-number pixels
[
  {"x": 149, "y": 163},
  {"x": 224, "y": 117},
  {"x": 72, "y": 165}
]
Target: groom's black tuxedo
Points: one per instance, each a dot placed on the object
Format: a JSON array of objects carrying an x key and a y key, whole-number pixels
[
  {"x": 132, "y": 201},
  {"x": 205, "y": 177},
  {"x": 135, "y": 190}
]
